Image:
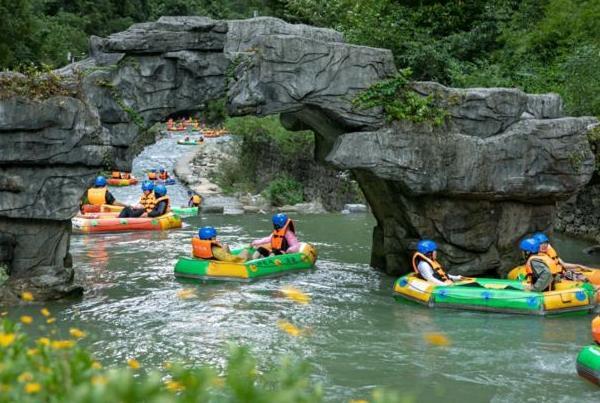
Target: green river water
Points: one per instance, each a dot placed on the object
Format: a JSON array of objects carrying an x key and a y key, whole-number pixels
[{"x": 358, "y": 336}]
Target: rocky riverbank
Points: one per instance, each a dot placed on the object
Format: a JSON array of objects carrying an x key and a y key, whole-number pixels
[{"x": 580, "y": 216}]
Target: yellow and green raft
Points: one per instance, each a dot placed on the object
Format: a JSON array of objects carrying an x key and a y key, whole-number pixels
[
  {"x": 496, "y": 295},
  {"x": 588, "y": 363},
  {"x": 201, "y": 269}
]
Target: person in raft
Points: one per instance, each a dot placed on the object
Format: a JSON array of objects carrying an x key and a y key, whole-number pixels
[
  {"x": 282, "y": 240},
  {"x": 425, "y": 264},
  {"x": 99, "y": 194},
  {"x": 163, "y": 174},
  {"x": 195, "y": 200},
  {"x": 540, "y": 268},
  {"x": 206, "y": 246},
  {"x": 115, "y": 175},
  {"x": 566, "y": 269},
  {"x": 146, "y": 204},
  {"x": 152, "y": 175}
]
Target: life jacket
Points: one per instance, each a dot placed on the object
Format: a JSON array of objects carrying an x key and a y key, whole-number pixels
[
  {"x": 163, "y": 198},
  {"x": 116, "y": 175},
  {"x": 163, "y": 175},
  {"x": 203, "y": 248},
  {"x": 196, "y": 200},
  {"x": 548, "y": 261},
  {"x": 278, "y": 241},
  {"x": 551, "y": 252},
  {"x": 97, "y": 196},
  {"x": 152, "y": 176},
  {"x": 596, "y": 329},
  {"x": 148, "y": 201},
  {"x": 438, "y": 271}
]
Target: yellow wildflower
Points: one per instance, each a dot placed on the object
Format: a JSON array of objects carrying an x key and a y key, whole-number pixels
[
  {"x": 50, "y": 320},
  {"x": 98, "y": 380},
  {"x": 33, "y": 388},
  {"x": 6, "y": 339},
  {"x": 45, "y": 312},
  {"x": 295, "y": 295},
  {"x": 174, "y": 386},
  {"x": 27, "y": 296},
  {"x": 186, "y": 293},
  {"x": 436, "y": 339},
  {"x": 62, "y": 344},
  {"x": 133, "y": 363},
  {"x": 32, "y": 351},
  {"x": 96, "y": 365},
  {"x": 25, "y": 377},
  {"x": 289, "y": 328},
  {"x": 44, "y": 341},
  {"x": 78, "y": 334},
  {"x": 26, "y": 319}
]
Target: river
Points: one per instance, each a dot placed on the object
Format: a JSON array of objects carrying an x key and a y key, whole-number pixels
[{"x": 357, "y": 337}]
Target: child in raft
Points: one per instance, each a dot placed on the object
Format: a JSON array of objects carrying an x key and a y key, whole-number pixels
[
  {"x": 282, "y": 239},
  {"x": 206, "y": 246}
]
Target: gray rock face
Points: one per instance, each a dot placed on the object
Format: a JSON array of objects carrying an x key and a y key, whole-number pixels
[{"x": 491, "y": 175}]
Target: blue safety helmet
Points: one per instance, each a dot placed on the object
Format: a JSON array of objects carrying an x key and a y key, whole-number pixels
[
  {"x": 530, "y": 245},
  {"x": 153, "y": 170},
  {"x": 190, "y": 193},
  {"x": 207, "y": 233},
  {"x": 279, "y": 220},
  {"x": 161, "y": 169},
  {"x": 540, "y": 237},
  {"x": 160, "y": 190},
  {"x": 147, "y": 186},
  {"x": 100, "y": 181},
  {"x": 426, "y": 246}
]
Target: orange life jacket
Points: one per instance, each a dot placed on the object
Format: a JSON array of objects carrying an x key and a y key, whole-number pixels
[
  {"x": 278, "y": 241},
  {"x": 196, "y": 200},
  {"x": 163, "y": 198},
  {"x": 548, "y": 261},
  {"x": 551, "y": 252},
  {"x": 115, "y": 175},
  {"x": 97, "y": 196},
  {"x": 148, "y": 201},
  {"x": 163, "y": 175},
  {"x": 438, "y": 271},
  {"x": 152, "y": 176},
  {"x": 203, "y": 248},
  {"x": 596, "y": 329}
]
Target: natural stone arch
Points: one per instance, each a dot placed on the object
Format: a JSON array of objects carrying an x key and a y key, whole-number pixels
[{"x": 51, "y": 150}]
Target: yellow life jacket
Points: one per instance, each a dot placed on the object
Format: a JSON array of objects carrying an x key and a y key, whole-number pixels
[
  {"x": 278, "y": 241},
  {"x": 203, "y": 248},
  {"x": 196, "y": 200},
  {"x": 548, "y": 261},
  {"x": 97, "y": 196},
  {"x": 152, "y": 176},
  {"x": 438, "y": 271},
  {"x": 163, "y": 198},
  {"x": 115, "y": 175},
  {"x": 148, "y": 201}
]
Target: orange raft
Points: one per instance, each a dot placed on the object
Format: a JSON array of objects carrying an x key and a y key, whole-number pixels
[
  {"x": 92, "y": 224},
  {"x": 122, "y": 182}
]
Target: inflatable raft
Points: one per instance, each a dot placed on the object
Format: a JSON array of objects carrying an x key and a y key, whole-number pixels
[
  {"x": 588, "y": 363},
  {"x": 121, "y": 182},
  {"x": 190, "y": 142},
  {"x": 185, "y": 211},
  {"x": 166, "y": 182},
  {"x": 592, "y": 275},
  {"x": 495, "y": 295},
  {"x": 92, "y": 224},
  {"x": 193, "y": 268}
]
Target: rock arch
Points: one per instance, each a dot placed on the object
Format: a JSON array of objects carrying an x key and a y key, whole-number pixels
[{"x": 491, "y": 174}]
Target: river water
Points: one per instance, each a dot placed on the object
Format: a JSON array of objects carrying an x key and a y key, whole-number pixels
[{"x": 356, "y": 336}]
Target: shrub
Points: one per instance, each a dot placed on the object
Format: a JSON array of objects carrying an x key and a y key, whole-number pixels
[
  {"x": 60, "y": 370},
  {"x": 38, "y": 83},
  {"x": 284, "y": 190}
]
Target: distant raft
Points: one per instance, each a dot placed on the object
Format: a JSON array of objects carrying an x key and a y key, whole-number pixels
[
  {"x": 122, "y": 182},
  {"x": 185, "y": 211},
  {"x": 495, "y": 295},
  {"x": 588, "y": 363},
  {"x": 592, "y": 275},
  {"x": 201, "y": 269},
  {"x": 190, "y": 142},
  {"x": 94, "y": 224},
  {"x": 165, "y": 182}
]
